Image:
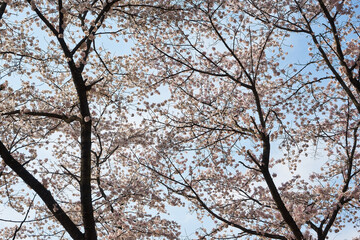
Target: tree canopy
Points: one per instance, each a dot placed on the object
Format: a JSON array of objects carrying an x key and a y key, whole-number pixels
[{"x": 113, "y": 111}]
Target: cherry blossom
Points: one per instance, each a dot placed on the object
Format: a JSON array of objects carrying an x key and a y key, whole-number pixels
[{"x": 111, "y": 111}]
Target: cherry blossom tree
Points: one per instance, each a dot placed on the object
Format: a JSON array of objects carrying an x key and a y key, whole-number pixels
[
  {"x": 213, "y": 107},
  {"x": 66, "y": 127},
  {"x": 240, "y": 106}
]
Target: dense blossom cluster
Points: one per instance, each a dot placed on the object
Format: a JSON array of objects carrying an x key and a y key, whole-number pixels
[{"x": 208, "y": 107}]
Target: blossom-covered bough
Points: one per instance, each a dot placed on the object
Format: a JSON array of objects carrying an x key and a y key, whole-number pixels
[{"x": 240, "y": 107}]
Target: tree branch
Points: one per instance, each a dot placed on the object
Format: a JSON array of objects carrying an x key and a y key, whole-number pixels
[
  {"x": 44, "y": 194},
  {"x": 2, "y": 9},
  {"x": 45, "y": 114}
]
